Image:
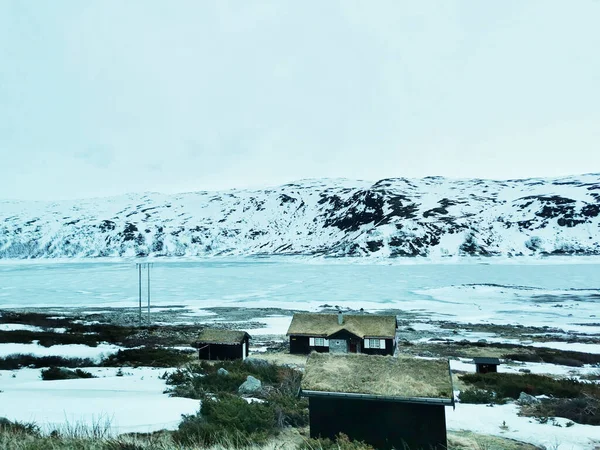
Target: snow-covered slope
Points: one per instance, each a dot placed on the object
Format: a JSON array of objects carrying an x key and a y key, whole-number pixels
[{"x": 432, "y": 216}]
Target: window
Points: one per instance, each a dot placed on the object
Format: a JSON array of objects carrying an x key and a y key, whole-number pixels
[
  {"x": 318, "y": 342},
  {"x": 374, "y": 343}
]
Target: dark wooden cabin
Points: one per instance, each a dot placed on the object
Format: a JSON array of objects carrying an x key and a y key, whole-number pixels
[
  {"x": 215, "y": 344},
  {"x": 486, "y": 365},
  {"x": 383, "y": 401},
  {"x": 371, "y": 334}
]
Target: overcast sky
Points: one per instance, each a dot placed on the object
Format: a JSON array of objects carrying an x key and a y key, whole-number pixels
[{"x": 106, "y": 97}]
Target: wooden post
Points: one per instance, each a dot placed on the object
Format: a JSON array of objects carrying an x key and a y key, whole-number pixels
[
  {"x": 148, "y": 293},
  {"x": 140, "y": 289}
]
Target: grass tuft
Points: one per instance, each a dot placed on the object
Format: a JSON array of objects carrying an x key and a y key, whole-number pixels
[
  {"x": 511, "y": 385},
  {"x": 17, "y": 361},
  {"x": 148, "y": 357},
  {"x": 59, "y": 373}
]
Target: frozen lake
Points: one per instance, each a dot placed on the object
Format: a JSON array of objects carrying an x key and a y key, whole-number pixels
[{"x": 538, "y": 294}]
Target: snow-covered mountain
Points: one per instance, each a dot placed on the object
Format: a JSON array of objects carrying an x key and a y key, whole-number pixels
[{"x": 432, "y": 216}]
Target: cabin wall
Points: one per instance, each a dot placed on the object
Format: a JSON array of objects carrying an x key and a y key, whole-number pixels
[
  {"x": 389, "y": 349},
  {"x": 247, "y": 340},
  {"x": 299, "y": 345},
  {"x": 486, "y": 368},
  {"x": 384, "y": 425},
  {"x": 221, "y": 351}
]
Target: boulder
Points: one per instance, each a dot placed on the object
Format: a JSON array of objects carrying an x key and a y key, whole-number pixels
[
  {"x": 250, "y": 386},
  {"x": 257, "y": 362},
  {"x": 222, "y": 371},
  {"x": 526, "y": 399}
]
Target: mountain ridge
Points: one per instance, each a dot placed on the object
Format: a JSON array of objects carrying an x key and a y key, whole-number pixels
[{"x": 392, "y": 217}]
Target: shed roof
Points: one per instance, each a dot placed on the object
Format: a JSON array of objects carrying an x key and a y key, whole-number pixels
[
  {"x": 323, "y": 325},
  {"x": 401, "y": 378},
  {"x": 486, "y": 360},
  {"x": 219, "y": 336}
]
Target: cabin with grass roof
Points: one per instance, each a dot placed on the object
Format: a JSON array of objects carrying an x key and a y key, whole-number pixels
[
  {"x": 486, "y": 364},
  {"x": 217, "y": 344},
  {"x": 370, "y": 334},
  {"x": 384, "y": 401}
]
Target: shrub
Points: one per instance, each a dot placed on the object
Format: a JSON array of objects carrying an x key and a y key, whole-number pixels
[
  {"x": 227, "y": 418},
  {"x": 148, "y": 356},
  {"x": 114, "y": 334},
  {"x": 555, "y": 356},
  {"x": 196, "y": 380},
  {"x": 583, "y": 410},
  {"x": 478, "y": 396},
  {"x": 47, "y": 338},
  {"x": 280, "y": 392},
  {"x": 342, "y": 442},
  {"x": 6, "y": 426},
  {"x": 288, "y": 410},
  {"x": 13, "y": 362},
  {"x": 59, "y": 373},
  {"x": 35, "y": 319},
  {"x": 511, "y": 385}
]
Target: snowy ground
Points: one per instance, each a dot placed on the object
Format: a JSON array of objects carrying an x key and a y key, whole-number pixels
[
  {"x": 502, "y": 420},
  {"x": 132, "y": 403},
  {"x": 68, "y": 351},
  {"x": 467, "y": 365}
]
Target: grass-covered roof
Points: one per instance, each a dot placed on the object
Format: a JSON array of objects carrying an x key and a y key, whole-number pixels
[
  {"x": 387, "y": 376},
  {"x": 363, "y": 325},
  {"x": 220, "y": 336}
]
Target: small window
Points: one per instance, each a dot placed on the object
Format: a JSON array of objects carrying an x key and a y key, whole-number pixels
[
  {"x": 374, "y": 343},
  {"x": 319, "y": 342}
]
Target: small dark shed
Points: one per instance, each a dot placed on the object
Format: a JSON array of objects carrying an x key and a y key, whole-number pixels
[
  {"x": 384, "y": 401},
  {"x": 486, "y": 365},
  {"x": 215, "y": 344},
  {"x": 372, "y": 334}
]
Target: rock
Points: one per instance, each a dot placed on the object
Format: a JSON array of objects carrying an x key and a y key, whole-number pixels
[
  {"x": 526, "y": 399},
  {"x": 222, "y": 371},
  {"x": 525, "y": 370},
  {"x": 256, "y": 362},
  {"x": 250, "y": 386},
  {"x": 482, "y": 341}
]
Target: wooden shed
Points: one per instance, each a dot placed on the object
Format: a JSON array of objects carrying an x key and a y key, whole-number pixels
[
  {"x": 216, "y": 344},
  {"x": 486, "y": 365},
  {"x": 384, "y": 401},
  {"x": 343, "y": 333}
]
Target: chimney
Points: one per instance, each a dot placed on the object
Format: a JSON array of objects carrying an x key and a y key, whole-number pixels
[{"x": 340, "y": 318}]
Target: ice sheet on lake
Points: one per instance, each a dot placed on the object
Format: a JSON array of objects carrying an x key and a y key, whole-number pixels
[{"x": 561, "y": 295}]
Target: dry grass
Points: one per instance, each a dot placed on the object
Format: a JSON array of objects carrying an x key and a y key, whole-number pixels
[
  {"x": 282, "y": 358},
  {"x": 323, "y": 325},
  {"x": 378, "y": 375},
  {"x": 288, "y": 439},
  {"x": 220, "y": 336},
  {"x": 463, "y": 351}
]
